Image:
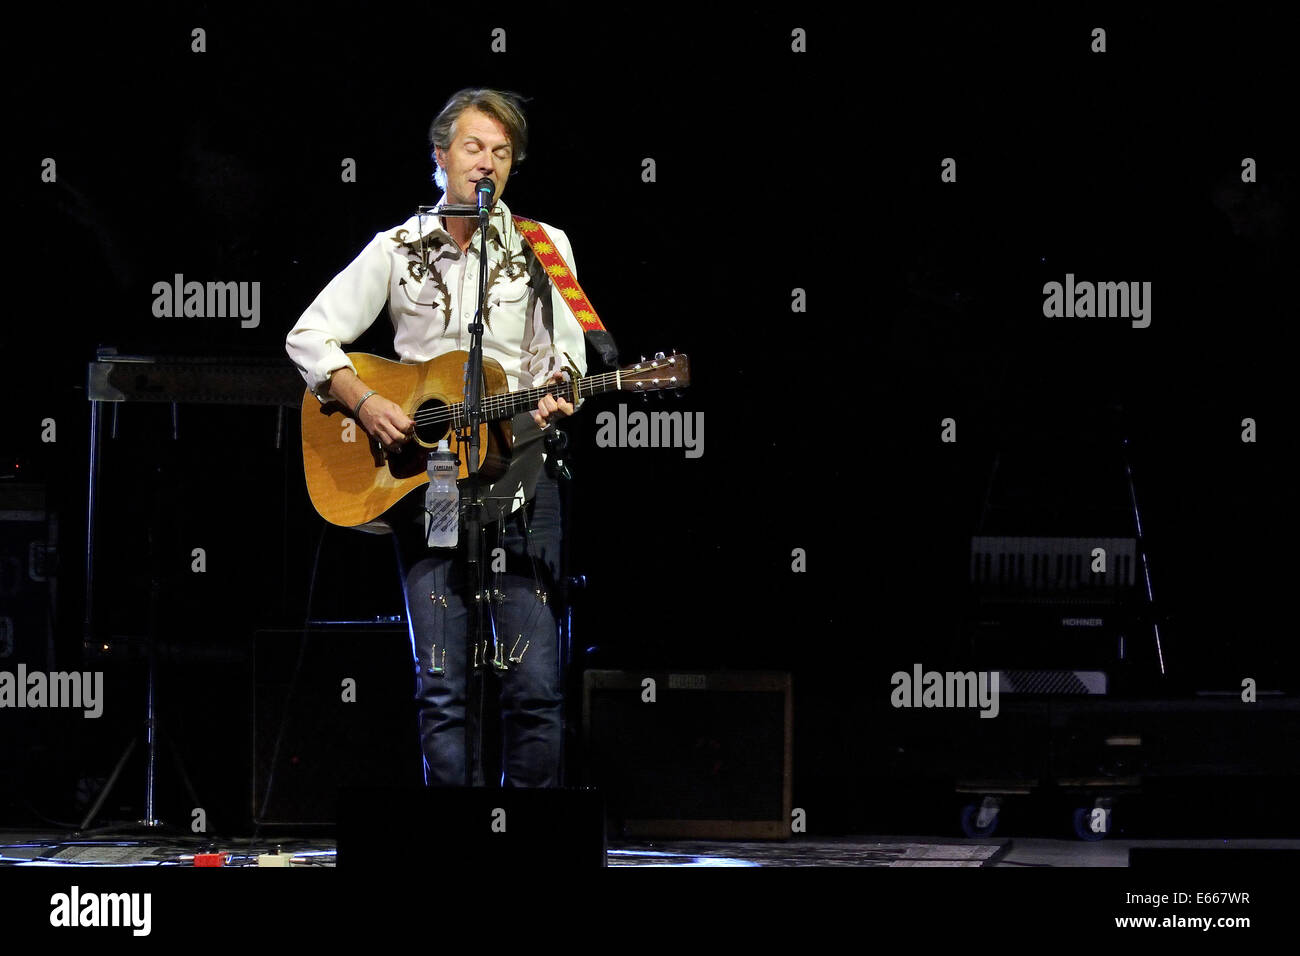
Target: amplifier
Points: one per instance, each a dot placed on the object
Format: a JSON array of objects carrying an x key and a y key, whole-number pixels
[
  {"x": 701, "y": 755},
  {"x": 28, "y": 598},
  {"x": 27, "y": 576}
]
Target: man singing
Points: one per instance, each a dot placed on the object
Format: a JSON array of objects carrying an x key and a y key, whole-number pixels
[{"x": 427, "y": 271}]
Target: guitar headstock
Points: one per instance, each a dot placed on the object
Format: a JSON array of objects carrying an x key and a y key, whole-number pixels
[{"x": 660, "y": 372}]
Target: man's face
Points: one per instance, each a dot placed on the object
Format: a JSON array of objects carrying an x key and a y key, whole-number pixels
[{"x": 479, "y": 148}]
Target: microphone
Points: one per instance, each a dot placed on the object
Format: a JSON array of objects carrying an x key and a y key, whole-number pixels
[{"x": 485, "y": 189}]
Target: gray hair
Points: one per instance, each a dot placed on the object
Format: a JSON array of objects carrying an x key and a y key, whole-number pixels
[{"x": 505, "y": 107}]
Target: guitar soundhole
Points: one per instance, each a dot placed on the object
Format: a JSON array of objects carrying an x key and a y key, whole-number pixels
[{"x": 432, "y": 421}]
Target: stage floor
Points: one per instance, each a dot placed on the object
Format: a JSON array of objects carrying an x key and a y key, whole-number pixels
[{"x": 46, "y": 849}]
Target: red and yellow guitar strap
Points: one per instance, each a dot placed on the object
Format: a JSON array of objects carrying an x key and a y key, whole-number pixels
[{"x": 561, "y": 275}]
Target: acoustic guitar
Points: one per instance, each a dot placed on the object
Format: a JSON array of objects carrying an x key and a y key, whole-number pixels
[{"x": 353, "y": 481}]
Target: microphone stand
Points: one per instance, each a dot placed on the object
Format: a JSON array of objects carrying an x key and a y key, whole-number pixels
[{"x": 473, "y": 511}]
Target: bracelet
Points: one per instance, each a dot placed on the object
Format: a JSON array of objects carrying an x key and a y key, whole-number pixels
[{"x": 356, "y": 412}]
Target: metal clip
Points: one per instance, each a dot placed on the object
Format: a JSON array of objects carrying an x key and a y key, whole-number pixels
[
  {"x": 434, "y": 668},
  {"x": 572, "y": 368},
  {"x": 520, "y": 658}
]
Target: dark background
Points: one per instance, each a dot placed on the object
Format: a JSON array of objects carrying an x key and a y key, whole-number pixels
[{"x": 775, "y": 170}]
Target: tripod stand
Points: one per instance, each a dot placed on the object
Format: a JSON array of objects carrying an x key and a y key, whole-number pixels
[{"x": 150, "y": 728}]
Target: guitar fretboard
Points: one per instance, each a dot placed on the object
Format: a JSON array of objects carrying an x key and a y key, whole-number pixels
[
  {"x": 496, "y": 407},
  {"x": 658, "y": 374}
]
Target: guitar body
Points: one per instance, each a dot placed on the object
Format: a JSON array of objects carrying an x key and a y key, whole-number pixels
[{"x": 352, "y": 483}]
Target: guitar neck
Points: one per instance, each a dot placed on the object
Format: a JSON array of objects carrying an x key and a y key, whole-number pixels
[{"x": 661, "y": 372}]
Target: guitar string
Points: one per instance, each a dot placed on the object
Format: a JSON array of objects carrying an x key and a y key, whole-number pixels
[
  {"x": 496, "y": 403},
  {"x": 491, "y": 402},
  {"x": 453, "y": 413}
]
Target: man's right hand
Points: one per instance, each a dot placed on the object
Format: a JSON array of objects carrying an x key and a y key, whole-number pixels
[
  {"x": 383, "y": 420},
  {"x": 386, "y": 422}
]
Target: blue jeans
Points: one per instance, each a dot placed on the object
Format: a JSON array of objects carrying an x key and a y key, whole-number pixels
[{"x": 531, "y": 691}]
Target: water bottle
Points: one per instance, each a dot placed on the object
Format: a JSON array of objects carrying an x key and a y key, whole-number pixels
[{"x": 441, "y": 500}]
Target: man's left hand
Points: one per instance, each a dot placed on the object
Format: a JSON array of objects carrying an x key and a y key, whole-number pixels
[{"x": 550, "y": 408}]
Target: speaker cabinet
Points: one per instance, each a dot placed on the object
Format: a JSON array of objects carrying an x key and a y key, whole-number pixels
[{"x": 696, "y": 755}]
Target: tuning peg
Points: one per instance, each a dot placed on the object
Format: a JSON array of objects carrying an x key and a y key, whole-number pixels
[
  {"x": 659, "y": 356},
  {"x": 643, "y": 358}
]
